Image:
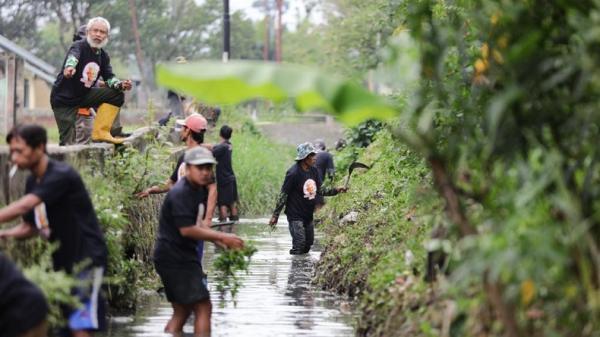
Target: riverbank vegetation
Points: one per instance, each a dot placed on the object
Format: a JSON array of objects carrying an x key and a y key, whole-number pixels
[{"x": 495, "y": 101}]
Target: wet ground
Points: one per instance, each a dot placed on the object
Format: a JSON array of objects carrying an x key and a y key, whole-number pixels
[{"x": 276, "y": 299}]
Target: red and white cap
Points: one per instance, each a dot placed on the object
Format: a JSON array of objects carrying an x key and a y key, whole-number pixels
[{"x": 195, "y": 122}]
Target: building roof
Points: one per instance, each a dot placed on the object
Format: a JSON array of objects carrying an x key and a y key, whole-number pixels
[{"x": 32, "y": 62}]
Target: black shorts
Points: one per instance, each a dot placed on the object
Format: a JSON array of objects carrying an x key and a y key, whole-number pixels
[
  {"x": 183, "y": 285},
  {"x": 227, "y": 193}
]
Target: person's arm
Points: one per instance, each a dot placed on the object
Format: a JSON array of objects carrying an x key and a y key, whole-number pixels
[
  {"x": 331, "y": 191},
  {"x": 208, "y": 146},
  {"x": 72, "y": 60},
  {"x": 156, "y": 189},
  {"x": 21, "y": 231},
  {"x": 220, "y": 238},
  {"x": 282, "y": 198},
  {"x": 109, "y": 77},
  {"x": 19, "y": 207},
  {"x": 211, "y": 204},
  {"x": 330, "y": 168}
]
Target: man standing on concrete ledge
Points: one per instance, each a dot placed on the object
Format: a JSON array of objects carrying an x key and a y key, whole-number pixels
[
  {"x": 298, "y": 194},
  {"x": 85, "y": 62}
]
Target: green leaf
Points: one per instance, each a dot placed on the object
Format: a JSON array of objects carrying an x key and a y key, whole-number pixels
[{"x": 238, "y": 81}]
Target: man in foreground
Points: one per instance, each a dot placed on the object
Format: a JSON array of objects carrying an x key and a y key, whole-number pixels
[
  {"x": 56, "y": 206},
  {"x": 175, "y": 256}
]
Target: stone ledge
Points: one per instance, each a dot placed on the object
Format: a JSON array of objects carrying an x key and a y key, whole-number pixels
[{"x": 76, "y": 155}]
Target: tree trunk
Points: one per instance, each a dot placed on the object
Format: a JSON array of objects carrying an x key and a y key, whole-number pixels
[
  {"x": 279, "y": 31},
  {"x": 139, "y": 56}
]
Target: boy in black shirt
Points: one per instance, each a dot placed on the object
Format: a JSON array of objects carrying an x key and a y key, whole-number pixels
[
  {"x": 175, "y": 256},
  {"x": 57, "y": 206},
  {"x": 298, "y": 194},
  {"x": 227, "y": 195},
  {"x": 85, "y": 62}
]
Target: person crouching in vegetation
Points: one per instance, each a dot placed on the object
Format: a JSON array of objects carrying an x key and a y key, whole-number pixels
[
  {"x": 175, "y": 256},
  {"x": 298, "y": 194},
  {"x": 192, "y": 133},
  {"x": 57, "y": 207},
  {"x": 227, "y": 195}
]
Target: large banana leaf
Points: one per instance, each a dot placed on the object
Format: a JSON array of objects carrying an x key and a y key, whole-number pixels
[{"x": 239, "y": 81}]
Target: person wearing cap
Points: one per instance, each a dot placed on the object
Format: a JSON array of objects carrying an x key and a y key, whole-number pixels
[
  {"x": 192, "y": 130},
  {"x": 299, "y": 191},
  {"x": 325, "y": 167},
  {"x": 175, "y": 257},
  {"x": 192, "y": 133},
  {"x": 74, "y": 87}
]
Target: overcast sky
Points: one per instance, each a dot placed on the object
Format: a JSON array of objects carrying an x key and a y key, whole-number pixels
[{"x": 290, "y": 17}]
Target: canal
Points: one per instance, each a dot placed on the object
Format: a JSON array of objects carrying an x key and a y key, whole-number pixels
[{"x": 276, "y": 299}]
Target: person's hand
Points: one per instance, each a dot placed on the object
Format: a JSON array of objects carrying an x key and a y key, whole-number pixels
[
  {"x": 273, "y": 221},
  {"x": 206, "y": 223},
  {"x": 231, "y": 241},
  {"x": 145, "y": 193},
  {"x": 126, "y": 85},
  {"x": 341, "y": 189},
  {"x": 69, "y": 72}
]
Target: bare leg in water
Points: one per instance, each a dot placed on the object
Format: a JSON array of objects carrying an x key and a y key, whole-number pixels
[
  {"x": 202, "y": 314},
  {"x": 180, "y": 314}
]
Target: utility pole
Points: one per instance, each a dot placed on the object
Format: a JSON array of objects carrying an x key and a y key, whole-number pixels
[
  {"x": 226, "y": 34},
  {"x": 267, "y": 31},
  {"x": 279, "y": 31}
]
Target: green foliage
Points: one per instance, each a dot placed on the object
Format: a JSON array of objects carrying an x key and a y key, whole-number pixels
[
  {"x": 128, "y": 223},
  {"x": 363, "y": 134},
  {"x": 236, "y": 82},
  {"x": 228, "y": 264},
  {"x": 367, "y": 257},
  {"x": 56, "y": 286}
]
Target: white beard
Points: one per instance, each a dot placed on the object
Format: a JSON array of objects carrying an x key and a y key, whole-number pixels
[{"x": 97, "y": 45}]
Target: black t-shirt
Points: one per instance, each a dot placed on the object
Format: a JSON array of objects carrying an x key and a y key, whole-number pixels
[
  {"x": 324, "y": 164},
  {"x": 222, "y": 153},
  {"x": 22, "y": 304},
  {"x": 69, "y": 92},
  {"x": 179, "y": 170},
  {"x": 66, "y": 215},
  {"x": 302, "y": 188},
  {"x": 180, "y": 209}
]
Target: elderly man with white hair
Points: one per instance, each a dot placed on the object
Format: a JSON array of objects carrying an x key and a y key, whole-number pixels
[{"x": 85, "y": 62}]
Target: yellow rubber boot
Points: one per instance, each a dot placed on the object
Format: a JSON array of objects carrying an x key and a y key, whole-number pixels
[{"x": 105, "y": 116}]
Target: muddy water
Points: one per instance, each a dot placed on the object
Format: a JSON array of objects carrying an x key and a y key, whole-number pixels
[{"x": 276, "y": 299}]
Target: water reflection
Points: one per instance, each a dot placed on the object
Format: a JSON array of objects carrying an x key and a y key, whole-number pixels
[{"x": 299, "y": 289}]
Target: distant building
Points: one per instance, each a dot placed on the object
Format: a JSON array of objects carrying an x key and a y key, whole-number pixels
[{"x": 25, "y": 84}]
